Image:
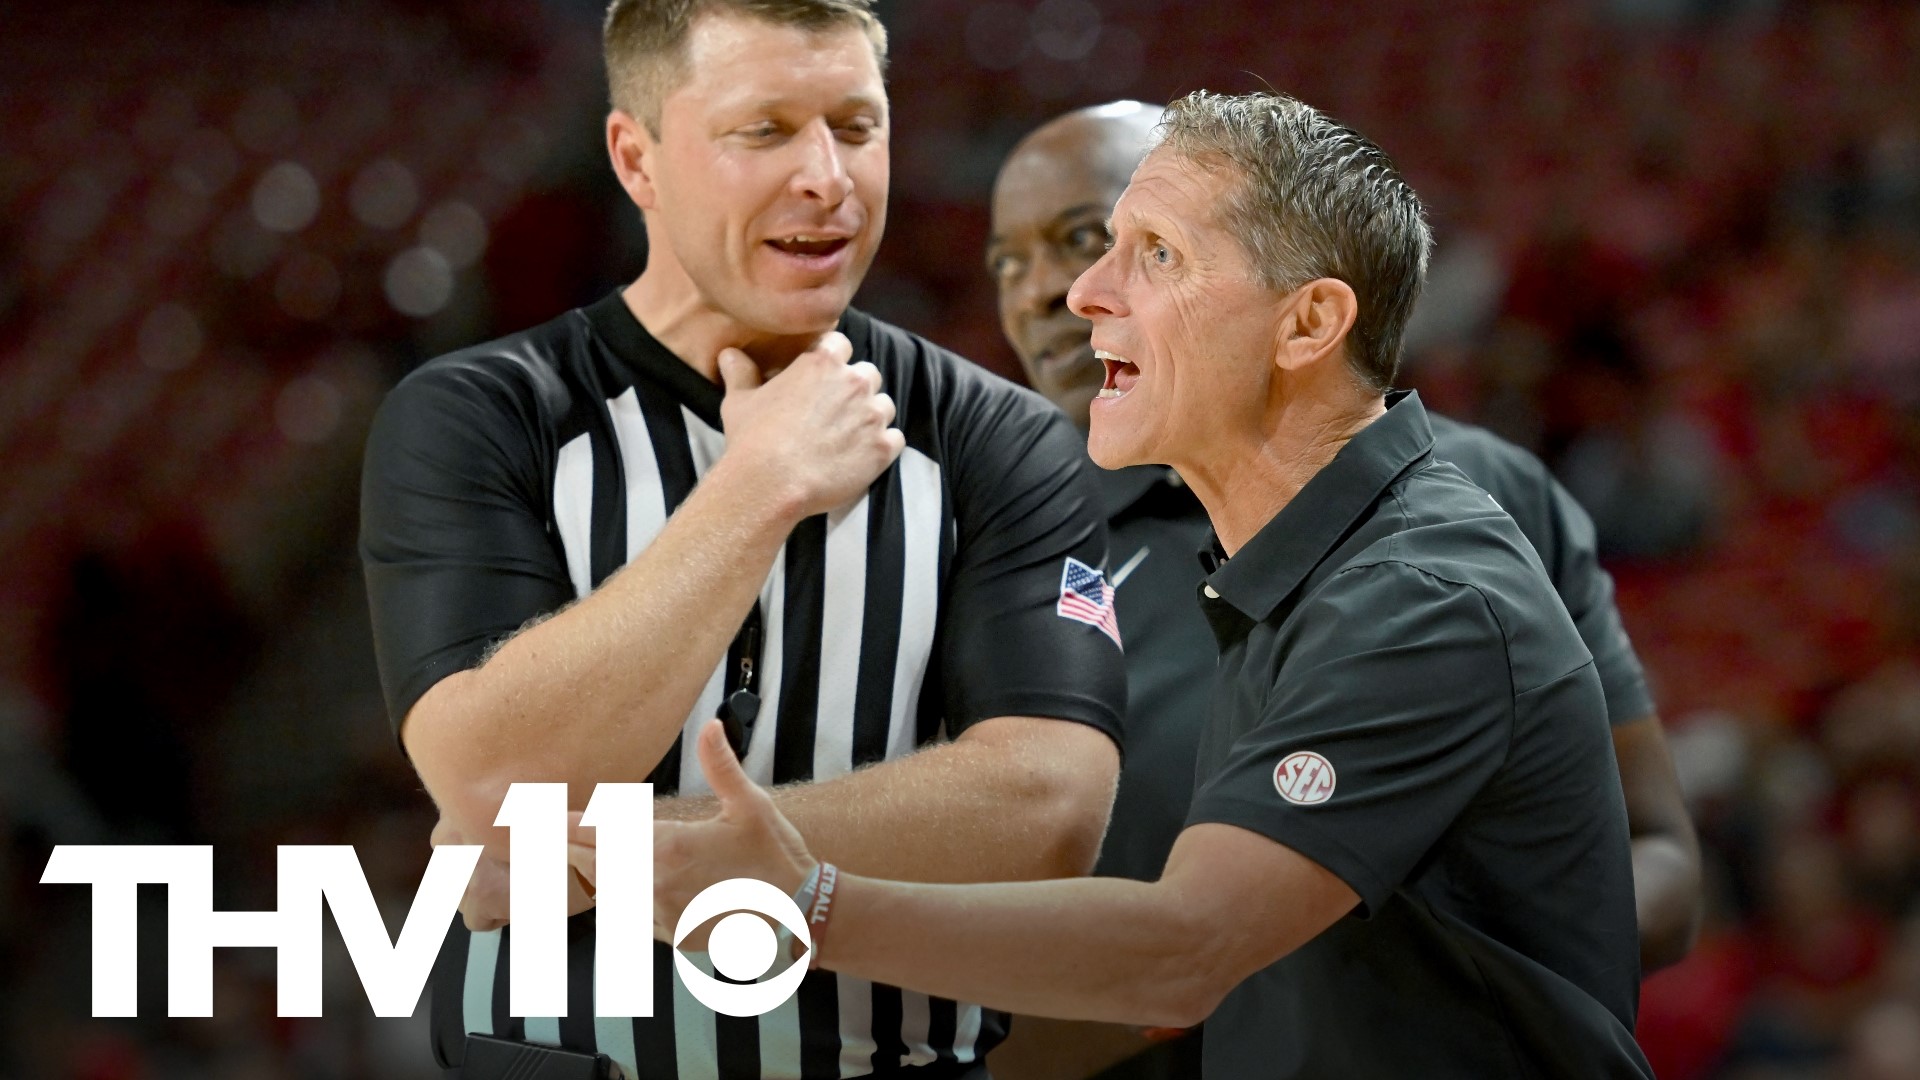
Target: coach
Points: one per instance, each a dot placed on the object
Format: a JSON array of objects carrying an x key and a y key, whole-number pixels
[
  {"x": 1050, "y": 205},
  {"x": 1407, "y": 854},
  {"x": 579, "y": 547}
]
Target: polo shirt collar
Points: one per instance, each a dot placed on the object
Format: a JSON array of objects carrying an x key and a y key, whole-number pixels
[
  {"x": 1286, "y": 549},
  {"x": 635, "y": 346}
]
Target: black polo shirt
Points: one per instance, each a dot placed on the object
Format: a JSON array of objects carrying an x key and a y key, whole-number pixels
[
  {"x": 1154, "y": 526},
  {"x": 1402, "y": 698}
]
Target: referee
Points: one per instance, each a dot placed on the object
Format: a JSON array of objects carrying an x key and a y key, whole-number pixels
[
  {"x": 718, "y": 491},
  {"x": 1050, "y": 205},
  {"x": 1407, "y": 852}
]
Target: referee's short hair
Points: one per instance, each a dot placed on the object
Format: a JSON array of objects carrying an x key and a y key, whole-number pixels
[
  {"x": 645, "y": 41},
  {"x": 1316, "y": 199}
]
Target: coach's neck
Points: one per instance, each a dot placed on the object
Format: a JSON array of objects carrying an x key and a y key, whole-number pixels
[{"x": 1245, "y": 478}]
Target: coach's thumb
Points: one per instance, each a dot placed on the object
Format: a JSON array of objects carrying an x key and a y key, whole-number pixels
[
  {"x": 730, "y": 783},
  {"x": 738, "y": 372}
]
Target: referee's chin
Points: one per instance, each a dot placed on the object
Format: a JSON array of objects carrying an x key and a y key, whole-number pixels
[
  {"x": 800, "y": 313},
  {"x": 785, "y": 305}
]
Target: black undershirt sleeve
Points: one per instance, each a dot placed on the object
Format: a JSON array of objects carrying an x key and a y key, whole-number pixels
[
  {"x": 453, "y": 533},
  {"x": 1024, "y": 504}
]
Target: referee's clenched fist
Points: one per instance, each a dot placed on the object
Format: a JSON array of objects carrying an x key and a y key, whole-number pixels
[{"x": 822, "y": 424}]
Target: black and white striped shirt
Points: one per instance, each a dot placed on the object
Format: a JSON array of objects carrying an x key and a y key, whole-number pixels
[{"x": 503, "y": 481}]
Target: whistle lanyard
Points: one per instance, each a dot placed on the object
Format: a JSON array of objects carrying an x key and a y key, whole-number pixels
[{"x": 740, "y": 706}]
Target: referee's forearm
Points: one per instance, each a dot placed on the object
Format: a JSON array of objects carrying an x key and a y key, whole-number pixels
[
  {"x": 598, "y": 692},
  {"x": 1013, "y": 799}
]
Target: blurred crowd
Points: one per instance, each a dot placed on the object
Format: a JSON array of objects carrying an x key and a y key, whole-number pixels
[{"x": 1679, "y": 258}]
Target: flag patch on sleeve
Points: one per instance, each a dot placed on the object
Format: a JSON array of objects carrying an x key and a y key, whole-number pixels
[{"x": 1086, "y": 597}]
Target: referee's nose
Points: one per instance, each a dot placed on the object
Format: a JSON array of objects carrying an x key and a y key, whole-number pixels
[{"x": 821, "y": 173}]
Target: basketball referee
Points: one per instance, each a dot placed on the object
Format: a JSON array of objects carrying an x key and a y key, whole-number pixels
[
  {"x": 1407, "y": 852},
  {"x": 721, "y": 492},
  {"x": 1050, "y": 205}
]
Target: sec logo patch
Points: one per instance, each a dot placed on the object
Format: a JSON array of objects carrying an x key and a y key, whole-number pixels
[{"x": 1304, "y": 778}]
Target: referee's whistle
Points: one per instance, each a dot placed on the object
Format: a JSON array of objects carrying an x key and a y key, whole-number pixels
[{"x": 737, "y": 715}]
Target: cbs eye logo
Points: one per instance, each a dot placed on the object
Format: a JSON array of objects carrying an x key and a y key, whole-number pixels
[{"x": 742, "y": 946}]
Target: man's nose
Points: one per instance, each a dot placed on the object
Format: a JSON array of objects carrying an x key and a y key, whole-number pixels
[
  {"x": 822, "y": 172},
  {"x": 1095, "y": 294}
]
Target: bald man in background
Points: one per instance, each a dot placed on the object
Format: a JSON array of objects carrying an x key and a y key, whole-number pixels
[{"x": 1050, "y": 208}]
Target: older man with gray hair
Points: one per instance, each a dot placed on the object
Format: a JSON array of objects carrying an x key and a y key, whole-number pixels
[{"x": 1407, "y": 853}]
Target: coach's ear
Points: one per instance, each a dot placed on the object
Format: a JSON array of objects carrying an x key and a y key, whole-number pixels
[
  {"x": 631, "y": 147},
  {"x": 1315, "y": 321}
]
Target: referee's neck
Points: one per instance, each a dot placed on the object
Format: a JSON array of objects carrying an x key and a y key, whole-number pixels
[{"x": 694, "y": 330}]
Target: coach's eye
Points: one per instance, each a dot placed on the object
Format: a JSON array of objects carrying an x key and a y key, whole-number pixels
[{"x": 742, "y": 947}]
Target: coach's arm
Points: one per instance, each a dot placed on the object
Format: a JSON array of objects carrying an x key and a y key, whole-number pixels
[{"x": 1159, "y": 953}]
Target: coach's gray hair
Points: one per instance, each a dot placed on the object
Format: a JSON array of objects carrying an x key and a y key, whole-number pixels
[{"x": 1316, "y": 199}]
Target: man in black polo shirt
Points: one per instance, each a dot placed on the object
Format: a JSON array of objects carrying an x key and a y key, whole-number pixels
[
  {"x": 1050, "y": 205},
  {"x": 578, "y": 548},
  {"x": 1407, "y": 853}
]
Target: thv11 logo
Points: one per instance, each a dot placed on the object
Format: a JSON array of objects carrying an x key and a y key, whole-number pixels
[{"x": 395, "y": 971}]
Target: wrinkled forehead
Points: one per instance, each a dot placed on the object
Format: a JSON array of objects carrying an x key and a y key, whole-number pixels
[{"x": 1173, "y": 188}]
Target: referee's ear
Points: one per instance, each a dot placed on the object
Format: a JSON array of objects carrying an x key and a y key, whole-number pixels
[{"x": 629, "y": 146}]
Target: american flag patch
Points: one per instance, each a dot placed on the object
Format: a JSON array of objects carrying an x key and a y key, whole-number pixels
[{"x": 1086, "y": 597}]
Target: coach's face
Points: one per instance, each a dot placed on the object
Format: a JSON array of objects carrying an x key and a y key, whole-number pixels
[
  {"x": 1184, "y": 327},
  {"x": 770, "y": 174}
]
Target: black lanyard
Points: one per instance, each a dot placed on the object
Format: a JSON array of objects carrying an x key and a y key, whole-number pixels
[{"x": 740, "y": 706}]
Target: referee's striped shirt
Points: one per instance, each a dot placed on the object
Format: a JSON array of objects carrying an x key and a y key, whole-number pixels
[{"x": 503, "y": 481}]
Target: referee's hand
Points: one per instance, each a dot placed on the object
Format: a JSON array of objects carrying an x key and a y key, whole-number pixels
[
  {"x": 487, "y": 903},
  {"x": 748, "y": 838},
  {"x": 821, "y": 427}
]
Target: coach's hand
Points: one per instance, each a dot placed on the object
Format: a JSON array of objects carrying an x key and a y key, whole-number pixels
[
  {"x": 821, "y": 425},
  {"x": 748, "y": 838}
]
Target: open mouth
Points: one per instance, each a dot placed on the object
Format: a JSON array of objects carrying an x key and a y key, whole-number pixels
[
  {"x": 810, "y": 248},
  {"x": 1121, "y": 374}
]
